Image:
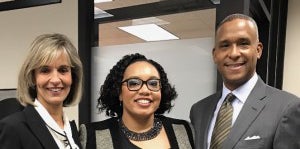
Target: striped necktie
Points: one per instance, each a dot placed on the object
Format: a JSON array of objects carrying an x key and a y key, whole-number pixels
[{"x": 223, "y": 123}]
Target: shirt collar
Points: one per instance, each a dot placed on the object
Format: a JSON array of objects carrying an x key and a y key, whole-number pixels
[
  {"x": 243, "y": 91},
  {"x": 48, "y": 118}
]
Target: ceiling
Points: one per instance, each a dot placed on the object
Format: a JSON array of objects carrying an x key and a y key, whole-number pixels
[
  {"x": 122, "y": 3},
  {"x": 185, "y": 25}
]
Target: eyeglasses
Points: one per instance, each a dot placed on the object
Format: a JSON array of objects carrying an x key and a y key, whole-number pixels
[{"x": 135, "y": 84}]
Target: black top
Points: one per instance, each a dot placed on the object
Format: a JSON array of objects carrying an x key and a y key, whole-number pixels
[
  {"x": 125, "y": 143},
  {"x": 120, "y": 141}
]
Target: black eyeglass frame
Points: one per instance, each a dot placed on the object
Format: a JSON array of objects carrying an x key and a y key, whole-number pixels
[{"x": 143, "y": 82}]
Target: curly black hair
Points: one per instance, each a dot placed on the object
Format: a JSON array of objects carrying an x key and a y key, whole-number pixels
[{"x": 111, "y": 89}]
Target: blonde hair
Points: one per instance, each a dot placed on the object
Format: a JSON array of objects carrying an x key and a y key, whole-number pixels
[{"x": 44, "y": 49}]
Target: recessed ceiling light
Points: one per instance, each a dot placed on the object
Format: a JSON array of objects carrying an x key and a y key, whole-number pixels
[
  {"x": 98, "y": 13},
  {"x": 149, "y": 20},
  {"x": 215, "y": 1},
  {"x": 149, "y": 32},
  {"x": 101, "y": 1}
]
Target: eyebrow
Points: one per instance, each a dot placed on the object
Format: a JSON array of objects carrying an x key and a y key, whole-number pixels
[
  {"x": 136, "y": 77},
  {"x": 41, "y": 66},
  {"x": 238, "y": 39}
]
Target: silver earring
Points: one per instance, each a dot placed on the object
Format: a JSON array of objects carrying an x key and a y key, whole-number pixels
[{"x": 121, "y": 103}]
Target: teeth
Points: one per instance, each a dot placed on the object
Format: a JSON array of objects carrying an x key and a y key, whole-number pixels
[
  {"x": 55, "y": 89},
  {"x": 234, "y": 65},
  {"x": 143, "y": 101}
]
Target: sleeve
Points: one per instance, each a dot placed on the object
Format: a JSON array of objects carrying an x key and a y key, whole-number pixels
[
  {"x": 9, "y": 139},
  {"x": 191, "y": 133},
  {"x": 83, "y": 135},
  {"x": 193, "y": 130},
  {"x": 287, "y": 134},
  {"x": 184, "y": 133}
]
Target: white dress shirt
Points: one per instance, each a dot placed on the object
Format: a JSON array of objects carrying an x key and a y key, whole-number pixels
[
  {"x": 53, "y": 126},
  {"x": 241, "y": 94}
]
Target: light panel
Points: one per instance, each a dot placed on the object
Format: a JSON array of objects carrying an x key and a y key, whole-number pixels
[
  {"x": 149, "y": 32},
  {"x": 101, "y": 1}
]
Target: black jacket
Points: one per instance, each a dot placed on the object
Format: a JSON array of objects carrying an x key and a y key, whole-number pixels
[{"x": 27, "y": 130}]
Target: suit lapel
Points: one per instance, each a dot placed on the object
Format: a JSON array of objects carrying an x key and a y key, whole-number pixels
[
  {"x": 207, "y": 113},
  {"x": 75, "y": 133},
  {"x": 251, "y": 109},
  {"x": 38, "y": 128}
]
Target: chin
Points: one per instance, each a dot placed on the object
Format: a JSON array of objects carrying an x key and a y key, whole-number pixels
[
  {"x": 57, "y": 101},
  {"x": 145, "y": 114}
]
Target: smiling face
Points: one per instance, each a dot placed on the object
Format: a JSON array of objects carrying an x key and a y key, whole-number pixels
[
  {"x": 53, "y": 81},
  {"x": 236, "y": 52},
  {"x": 143, "y": 102}
]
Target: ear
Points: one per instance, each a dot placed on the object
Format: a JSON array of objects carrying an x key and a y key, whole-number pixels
[
  {"x": 259, "y": 50},
  {"x": 213, "y": 54}
]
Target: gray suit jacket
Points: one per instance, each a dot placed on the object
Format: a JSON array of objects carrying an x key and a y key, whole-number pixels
[{"x": 269, "y": 117}]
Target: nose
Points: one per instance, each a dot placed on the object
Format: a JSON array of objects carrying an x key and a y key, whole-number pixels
[
  {"x": 234, "y": 52},
  {"x": 144, "y": 88},
  {"x": 55, "y": 77}
]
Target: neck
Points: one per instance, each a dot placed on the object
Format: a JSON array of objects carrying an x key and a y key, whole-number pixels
[
  {"x": 57, "y": 114},
  {"x": 138, "y": 134},
  {"x": 138, "y": 124},
  {"x": 58, "y": 117}
]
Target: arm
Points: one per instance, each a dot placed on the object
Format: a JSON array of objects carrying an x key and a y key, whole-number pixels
[
  {"x": 83, "y": 135},
  {"x": 9, "y": 139},
  {"x": 287, "y": 134}
]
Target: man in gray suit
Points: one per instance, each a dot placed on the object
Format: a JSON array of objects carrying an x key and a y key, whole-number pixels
[{"x": 263, "y": 117}]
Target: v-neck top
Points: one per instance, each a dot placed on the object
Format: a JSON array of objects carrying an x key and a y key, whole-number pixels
[{"x": 107, "y": 134}]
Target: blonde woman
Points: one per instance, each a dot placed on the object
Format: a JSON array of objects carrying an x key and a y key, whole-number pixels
[{"x": 50, "y": 79}]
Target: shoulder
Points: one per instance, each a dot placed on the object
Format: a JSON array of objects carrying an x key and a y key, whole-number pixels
[
  {"x": 207, "y": 100},
  {"x": 12, "y": 126},
  {"x": 182, "y": 129},
  {"x": 172, "y": 120},
  {"x": 100, "y": 125},
  {"x": 282, "y": 96},
  {"x": 13, "y": 119},
  {"x": 283, "y": 103},
  {"x": 273, "y": 93},
  {"x": 89, "y": 133},
  {"x": 175, "y": 123}
]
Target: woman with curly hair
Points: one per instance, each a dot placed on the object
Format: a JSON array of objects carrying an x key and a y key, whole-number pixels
[{"x": 136, "y": 94}]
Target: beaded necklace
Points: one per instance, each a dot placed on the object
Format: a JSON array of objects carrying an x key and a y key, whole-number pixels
[{"x": 148, "y": 135}]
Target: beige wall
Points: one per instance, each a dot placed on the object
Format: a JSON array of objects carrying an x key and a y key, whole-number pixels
[
  {"x": 291, "y": 75},
  {"x": 19, "y": 27}
]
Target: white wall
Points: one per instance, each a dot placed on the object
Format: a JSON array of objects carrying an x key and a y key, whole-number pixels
[
  {"x": 291, "y": 81},
  {"x": 188, "y": 64},
  {"x": 18, "y": 29}
]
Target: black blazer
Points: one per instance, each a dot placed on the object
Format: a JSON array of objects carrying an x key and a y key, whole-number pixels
[
  {"x": 27, "y": 130},
  {"x": 9, "y": 106}
]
